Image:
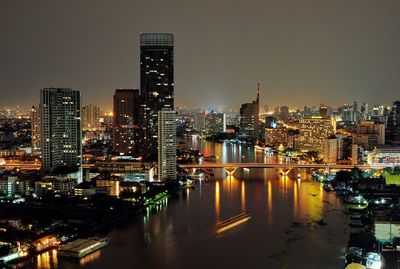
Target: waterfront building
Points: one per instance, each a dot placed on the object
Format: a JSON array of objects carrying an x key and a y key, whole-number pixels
[
  {"x": 156, "y": 85},
  {"x": 357, "y": 154},
  {"x": 125, "y": 121},
  {"x": 331, "y": 149},
  {"x": 61, "y": 136},
  {"x": 215, "y": 122},
  {"x": 166, "y": 145},
  {"x": 277, "y": 136},
  {"x": 199, "y": 121},
  {"x": 108, "y": 184},
  {"x": 369, "y": 134},
  {"x": 313, "y": 131},
  {"x": 35, "y": 128},
  {"x": 54, "y": 185},
  {"x": 384, "y": 155},
  {"x": 249, "y": 118},
  {"x": 90, "y": 118}
]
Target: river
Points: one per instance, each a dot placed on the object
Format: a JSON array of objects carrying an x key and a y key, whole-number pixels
[{"x": 293, "y": 224}]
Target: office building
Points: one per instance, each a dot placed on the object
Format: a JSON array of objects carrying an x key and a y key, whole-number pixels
[
  {"x": 249, "y": 118},
  {"x": 125, "y": 121},
  {"x": 270, "y": 122},
  {"x": 331, "y": 149},
  {"x": 199, "y": 121},
  {"x": 314, "y": 130},
  {"x": 393, "y": 123},
  {"x": 277, "y": 136},
  {"x": 157, "y": 85},
  {"x": 35, "y": 128},
  {"x": 166, "y": 145},
  {"x": 215, "y": 122},
  {"x": 369, "y": 134},
  {"x": 61, "y": 138},
  {"x": 90, "y": 118}
]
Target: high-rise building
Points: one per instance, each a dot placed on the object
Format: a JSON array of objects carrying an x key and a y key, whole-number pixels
[
  {"x": 61, "y": 137},
  {"x": 284, "y": 113},
  {"x": 323, "y": 110},
  {"x": 313, "y": 131},
  {"x": 200, "y": 121},
  {"x": 215, "y": 122},
  {"x": 393, "y": 123},
  {"x": 270, "y": 122},
  {"x": 157, "y": 85},
  {"x": 166, "y": 145},
  {"x": 125, "y": 121},
  {"x": 330, "y": 149},
  {"x": 249, "y": 118},
  {"x": 369, "y": 134},
  {"x": 90, "y": 118},
  {"x": 35, "y": 128},
  {"x": 277, "y": 136}
]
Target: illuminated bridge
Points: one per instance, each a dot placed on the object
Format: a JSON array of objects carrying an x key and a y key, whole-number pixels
[{"x": 230, "y": 168}]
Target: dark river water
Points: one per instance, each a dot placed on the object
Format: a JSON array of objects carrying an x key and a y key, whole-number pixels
[{"x": 294, "y": 224}]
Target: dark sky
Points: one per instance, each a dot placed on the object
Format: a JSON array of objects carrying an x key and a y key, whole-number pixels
[{"x": 302, "y": 51}]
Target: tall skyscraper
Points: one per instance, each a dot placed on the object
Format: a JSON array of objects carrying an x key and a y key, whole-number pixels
[
  {"x": 249, "y": 118},
  {"x": 61, "y": 138},
  {"x": 393, "y": 123},
  {"x": 35, "y": 128},
  {"x": 90, "y": 117},
  {"x": 157, "y": 85},
  {"x": 166, "y": 145},
  {"x": 125, "y": 121}
]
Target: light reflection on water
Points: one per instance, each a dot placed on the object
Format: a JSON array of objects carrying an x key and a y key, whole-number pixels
[{"x": 283, "y": 229}]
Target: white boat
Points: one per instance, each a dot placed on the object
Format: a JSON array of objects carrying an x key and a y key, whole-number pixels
[{"x": 82, "y": 247}]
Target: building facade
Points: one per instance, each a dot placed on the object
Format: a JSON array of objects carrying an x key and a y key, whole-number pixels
[
  {"x": 61, "y": 136},
  {"x": 166, "y": 145},
  {"x": 90, "y": 118},
  {"x": 215, "y": 122},
  {"x": 35, "y": 128},
  {"x": 157, "y": 85},
  {"x": 313, "y": 131},
  {"x": 125, "y": 121},
  {"x": 249, "y": 118}
]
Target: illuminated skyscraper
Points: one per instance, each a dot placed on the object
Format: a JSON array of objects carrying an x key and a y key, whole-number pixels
[
  {"x": 125, "y": 120},
  {"x": 166, "y": 145},
  {"x": 61, "y": 138},
  {"x": 157, "y": 85},
  {"x": 90, "y": 117},
  {"x": 35, "y": 128},
  {"x": 393, "y": 123},
  {"x": 249, "y": 118}
]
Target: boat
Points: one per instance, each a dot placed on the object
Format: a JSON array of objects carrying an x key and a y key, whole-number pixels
[
  {"x": 82, "y": 247},
  {"x": 355, "y": 202},
  {"x": 15, "y": 254},
  {"x": 328, "y": 187}
]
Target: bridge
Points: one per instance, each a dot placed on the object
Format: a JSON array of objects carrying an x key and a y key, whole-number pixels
[{"x": 230, "y": 168}]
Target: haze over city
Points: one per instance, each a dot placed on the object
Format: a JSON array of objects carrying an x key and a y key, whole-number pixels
[{"x": 330, "y": 52}]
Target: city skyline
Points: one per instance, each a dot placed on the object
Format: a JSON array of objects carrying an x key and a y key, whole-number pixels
[{"x": 315, "y": 52}]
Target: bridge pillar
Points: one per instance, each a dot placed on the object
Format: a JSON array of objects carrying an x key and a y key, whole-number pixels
[
  {"x": 285, "y": 172},
  {"x": 230, "y": 171}
]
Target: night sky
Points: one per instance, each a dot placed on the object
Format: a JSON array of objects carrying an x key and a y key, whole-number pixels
[{"x": 303, "y": 51}]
